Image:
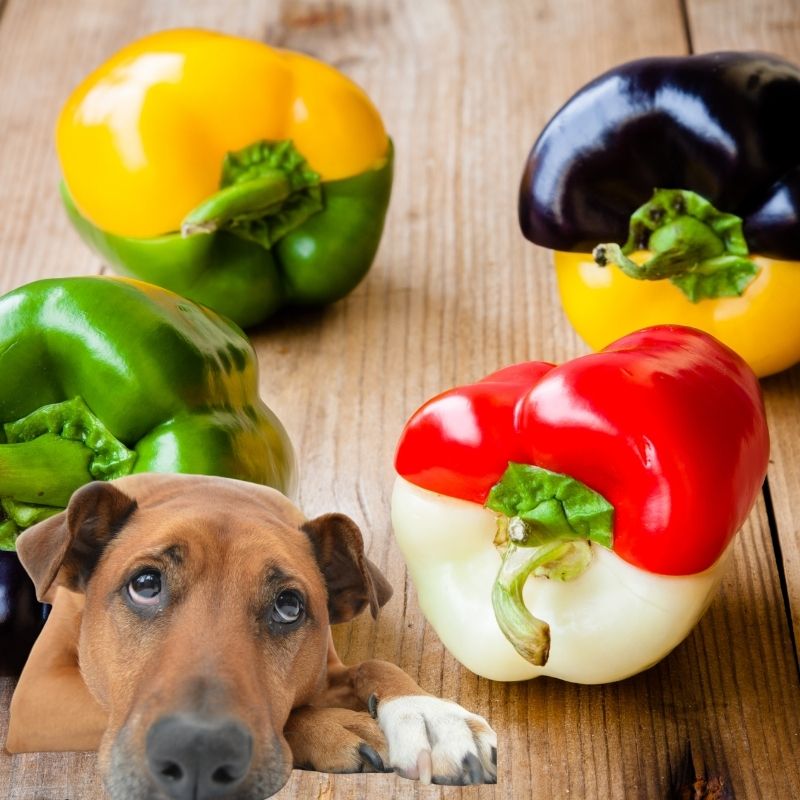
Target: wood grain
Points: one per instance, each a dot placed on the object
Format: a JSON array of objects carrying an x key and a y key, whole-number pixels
[
  {"x": 773, "y": 27},
  {"x": 455, "y": 293},
  {"x": 769, "y": 25}
]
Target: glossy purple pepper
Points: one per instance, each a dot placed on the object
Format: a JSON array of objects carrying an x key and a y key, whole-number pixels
[{"x": 723, "y": 125}]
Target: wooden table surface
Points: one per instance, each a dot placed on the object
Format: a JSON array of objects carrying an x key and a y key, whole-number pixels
[{"x": 464, "y": 87}]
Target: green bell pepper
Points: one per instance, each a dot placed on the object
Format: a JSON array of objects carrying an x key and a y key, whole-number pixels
[{"x": 107, "y": 376}]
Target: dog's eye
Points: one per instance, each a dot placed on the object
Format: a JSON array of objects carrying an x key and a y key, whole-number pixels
[
  {"x": 145, "y": 588},
  {"x": 288, "y": 607}
]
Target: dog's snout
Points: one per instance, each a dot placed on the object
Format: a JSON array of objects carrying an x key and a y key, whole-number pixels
[{"x": 193, "y": 757}]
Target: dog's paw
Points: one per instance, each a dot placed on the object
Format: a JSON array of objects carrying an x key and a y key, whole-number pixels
[
  {"x": 436, "y": 740},
  {"x": 336, "y": 740}
]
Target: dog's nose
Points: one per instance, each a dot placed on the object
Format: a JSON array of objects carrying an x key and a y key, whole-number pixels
[{"x": 193, "y": 757}]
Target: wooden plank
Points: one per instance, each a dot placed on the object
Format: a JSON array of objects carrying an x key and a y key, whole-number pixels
[
  {"x": 456, "y": 292},
  {"x": 56, "y": 776},
  {"x": 441, "y": 307},
  {"x": 782, "y": 398},
  {"x": 772, "y": 27},
  {"x": 769, "y": 25}
]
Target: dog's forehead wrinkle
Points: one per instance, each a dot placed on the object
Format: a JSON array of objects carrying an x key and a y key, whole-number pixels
[
  {"x": 275, "y": 574},
  {"x": 276, "y": 577},
  {"x": 174, "y": 553},
  {"x": 129, "y": 553}
]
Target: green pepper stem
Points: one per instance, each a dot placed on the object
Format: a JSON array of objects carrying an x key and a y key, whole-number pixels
[
  {"x": 529, "y": 635},
  {"x": 560, "y": 560},
  {"x": 45, "y": 470},
  {"x": 47, "y": 455},
  {"x": 250, "y": 199},
  {"x": 266, "y": 190},
  {"x": 546, "y": 521},
  {"x": 8, "y": 534},
  {"x": 700, "y": 249}
]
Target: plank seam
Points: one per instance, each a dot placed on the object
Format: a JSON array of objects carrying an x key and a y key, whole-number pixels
[
  {"x": 776, "y": 545},
  {"x": 683, "y": 7}
]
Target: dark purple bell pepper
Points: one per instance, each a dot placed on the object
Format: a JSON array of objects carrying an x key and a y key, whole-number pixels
[
  {"x": 21, "y": 616},
  {"x": 723, "y": 125}
]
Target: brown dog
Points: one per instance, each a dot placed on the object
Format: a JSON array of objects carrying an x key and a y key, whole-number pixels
[{"x": 189, "y": 642}]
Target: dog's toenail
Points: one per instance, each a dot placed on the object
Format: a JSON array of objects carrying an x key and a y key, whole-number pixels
[
  {"x": 372, "y": 705},
  {"x": 472, "y": 768},
  {"x": 371, "y": 756},
  {"x": 447, "y": 780}
]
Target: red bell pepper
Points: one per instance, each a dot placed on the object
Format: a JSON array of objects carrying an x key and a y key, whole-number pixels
[{"x": 655, "y": 448}]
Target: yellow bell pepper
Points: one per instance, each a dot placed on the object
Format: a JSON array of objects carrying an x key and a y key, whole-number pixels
[
  {"x": 243, "y": 177},
  {"x": 155, "y": 122},
  {"x": 762, "y": 325}
]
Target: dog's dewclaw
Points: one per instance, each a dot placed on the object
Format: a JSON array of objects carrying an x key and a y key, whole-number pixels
[{"x": 424, "y": 767}]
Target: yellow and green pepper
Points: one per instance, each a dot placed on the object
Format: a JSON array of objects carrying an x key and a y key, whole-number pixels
[{"x": 243, "y": 177}]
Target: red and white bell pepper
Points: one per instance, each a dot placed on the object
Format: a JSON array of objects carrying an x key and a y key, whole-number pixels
[{"x": 621, "y": 476}]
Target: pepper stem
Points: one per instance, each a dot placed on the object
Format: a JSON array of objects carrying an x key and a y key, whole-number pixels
[
  {"x": 45, "y": 471},
  {"x": 699, "y": 249},
  {"x": 561, "y": 560},
  {"x": 49, "y": 454},
  {"x": 266, "y": 190},
  {"x": 248, "y": 200},
  {"x": 546, "y": 524}
]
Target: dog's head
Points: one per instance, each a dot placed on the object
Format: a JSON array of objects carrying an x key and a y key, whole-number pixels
[{"x": 206, "y": 621}]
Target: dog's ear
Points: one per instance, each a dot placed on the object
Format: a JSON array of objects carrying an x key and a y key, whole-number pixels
[
  {"x": 68, "y": 545},
  {"x": 353, "y": 581}
]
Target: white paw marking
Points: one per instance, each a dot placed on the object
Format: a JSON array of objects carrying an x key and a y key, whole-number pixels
[{"x": 433, "y": 739}]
